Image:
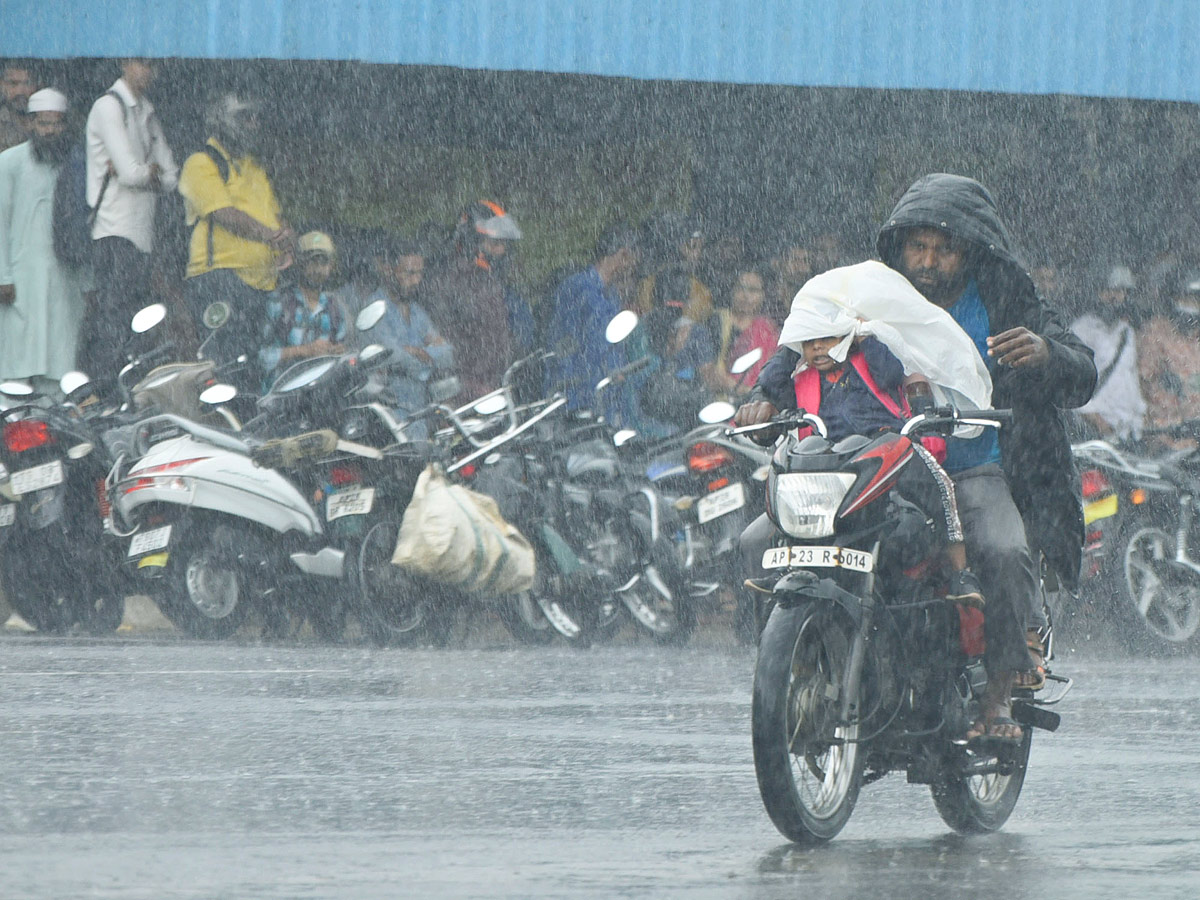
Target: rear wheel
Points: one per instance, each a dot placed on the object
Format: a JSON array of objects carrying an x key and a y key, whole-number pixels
[
  {"x": 205, "y": 591},
  {"x": 809, "y": 764},
  {"x": 982, "y": 803},
  {"x": 394, "y": 607}
]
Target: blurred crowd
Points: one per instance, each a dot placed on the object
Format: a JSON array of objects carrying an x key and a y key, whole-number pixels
[{"x": 99, "y": 217}]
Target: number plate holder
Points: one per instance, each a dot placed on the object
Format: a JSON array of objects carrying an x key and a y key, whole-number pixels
[
  {"x": 349, "y": 503},
  {"x": 38, "y": 477},
  {"x": 720, "y": 502},
  {"x": 148, "y": 541},
  {"x": 818, "y": 557}
]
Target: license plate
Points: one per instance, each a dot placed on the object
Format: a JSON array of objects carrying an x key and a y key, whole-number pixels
[
  {"x": 716, "y": 504},
  {"x": 8, "y": 514},
  {"x": 147, "y": 541},
  {"x": 818, "y": 557},
  {"x": 38, "y": 477},
  {"x": 349, "y": 503}
]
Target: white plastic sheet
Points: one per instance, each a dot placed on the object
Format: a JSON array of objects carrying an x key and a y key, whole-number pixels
[{"x": 871, "y": 299}]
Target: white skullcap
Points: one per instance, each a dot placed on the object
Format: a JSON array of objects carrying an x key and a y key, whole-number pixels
[{"x": 47, "y": 100}]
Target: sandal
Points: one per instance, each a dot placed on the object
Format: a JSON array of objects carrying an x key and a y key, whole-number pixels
[
  {"x": 989, "y": 729},
  {"x": 1034, "y": 679}
]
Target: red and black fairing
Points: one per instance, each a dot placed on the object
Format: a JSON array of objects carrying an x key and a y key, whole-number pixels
[{"x": 876, "y": 463}]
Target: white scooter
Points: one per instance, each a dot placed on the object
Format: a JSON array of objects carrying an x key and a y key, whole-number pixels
[{"x": 212, "y": 532}]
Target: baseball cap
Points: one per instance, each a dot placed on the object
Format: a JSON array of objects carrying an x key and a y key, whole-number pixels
[{"x": 315, "y": 242}]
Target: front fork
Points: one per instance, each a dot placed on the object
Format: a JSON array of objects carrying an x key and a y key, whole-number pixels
[{"x": 848, "y": 710}]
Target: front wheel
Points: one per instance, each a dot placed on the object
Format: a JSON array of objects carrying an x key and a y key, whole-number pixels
[
  {"x": 1160, "y": 603},
  {"x": 809, "y": 763},
  {"x": 981, "y": 803}
]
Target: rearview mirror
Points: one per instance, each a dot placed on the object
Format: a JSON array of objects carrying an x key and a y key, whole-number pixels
[
  {"x": 71, "y": 382},
  {"x": 148, "y": 317},
  {"x": 218, "y": 394},
  {"x": 489, "y": 406},
  {"x": 719, "y": 411},
  {"x": 369, "y": 316},
  {"x": 216, "y": 315},
  {"x": 624, "y": 436},
  {"x": 16, "y": 389},
  {"x": 746, "y": 361},
  {"x": 620, "y": 326}
]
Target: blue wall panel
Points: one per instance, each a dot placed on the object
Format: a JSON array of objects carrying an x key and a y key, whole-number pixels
[{"x": 1123, "y": 48}]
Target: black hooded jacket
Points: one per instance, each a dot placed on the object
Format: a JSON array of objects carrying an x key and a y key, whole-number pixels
[{"x": 1035, "y": 451}]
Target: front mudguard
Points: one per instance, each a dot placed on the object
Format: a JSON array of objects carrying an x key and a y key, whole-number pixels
[{"x": 800, "y": 586}]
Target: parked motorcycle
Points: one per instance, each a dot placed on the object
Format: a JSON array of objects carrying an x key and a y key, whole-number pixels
[
  {"x": 1141, "y": 525},
  {"x": 54, "y": 531},
  {"x": 864, "y": 667}
]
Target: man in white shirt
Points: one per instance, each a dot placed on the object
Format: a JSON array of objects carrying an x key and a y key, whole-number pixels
[
  {"x": 1117, "y": 408},
  {"x": 129, "y": 164}
]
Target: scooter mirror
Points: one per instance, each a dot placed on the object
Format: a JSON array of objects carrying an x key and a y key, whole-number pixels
[
  {"x": 216, "y": 315},
  {"x": 718, "y": 411},
  {"x": 489, "y": 406},
  {"x": 218, "y": 394},
  {"x": 148, "y": 317},
  {"x": 746, "y": 361},
  {"x": 444, "y": 388},
  {"x": 370, "y": 352},
  {"x": 79, "y": 451},
  {"x": 71, "y": 382},
  {"x": 624, "y": 436},
  {"x": 16, "y": 389},
  {"x": 620, "y": 326},
  {"x": 369, "y": 316}
]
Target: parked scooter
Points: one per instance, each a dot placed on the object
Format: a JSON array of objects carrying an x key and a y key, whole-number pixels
[{"x": 212, "y": 533}]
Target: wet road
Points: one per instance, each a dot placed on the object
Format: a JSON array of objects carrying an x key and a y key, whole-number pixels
[{"x": 134, "y": 768}]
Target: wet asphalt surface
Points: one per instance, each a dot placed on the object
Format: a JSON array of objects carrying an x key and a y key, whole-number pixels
[{"x": 140, "y": 767}]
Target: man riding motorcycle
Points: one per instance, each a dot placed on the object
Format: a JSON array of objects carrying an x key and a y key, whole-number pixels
[{"x": 947, "y": 238}]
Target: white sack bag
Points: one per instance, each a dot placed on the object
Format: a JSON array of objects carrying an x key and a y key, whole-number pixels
[
  {"x": 457, "y": 536},
  {"x": 871, "y": 299}
]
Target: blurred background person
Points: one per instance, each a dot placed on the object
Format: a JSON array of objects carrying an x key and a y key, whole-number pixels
[
  {"x": 304, "y": 319},
  {"x": 1117, "y": 408},
  {"x": 17, "y": 84},
  {"x": 739, "y": 329},
  {"x": 41, "y": 300}
]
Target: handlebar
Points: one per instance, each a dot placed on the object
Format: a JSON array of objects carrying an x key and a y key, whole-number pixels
[
  {"x": 623, "y": 372},
  {"x": 787, "y": 419},
  {"x": 941, "y": 416}
]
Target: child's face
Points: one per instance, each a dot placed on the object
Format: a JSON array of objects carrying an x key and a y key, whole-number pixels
[{"x": 816, "y": 353}]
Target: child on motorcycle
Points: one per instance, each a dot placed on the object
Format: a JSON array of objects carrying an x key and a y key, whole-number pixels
[{"x": 864, "y": 393}]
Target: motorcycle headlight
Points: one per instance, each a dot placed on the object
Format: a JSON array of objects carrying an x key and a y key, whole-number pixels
[{"x": 805, "y": 503}]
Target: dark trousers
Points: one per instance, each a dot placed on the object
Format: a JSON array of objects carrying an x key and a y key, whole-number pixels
[
  {"x": 996, "y": 548},
  {"x": 242, "y": 334},
  {"x": 122, "y": 277}
]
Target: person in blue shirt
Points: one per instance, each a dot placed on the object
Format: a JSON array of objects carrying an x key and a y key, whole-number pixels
[
  {"x": 584, "y": 304},
  {"x": 421, "y": 354},
  {"x": 302, "y": 319}
]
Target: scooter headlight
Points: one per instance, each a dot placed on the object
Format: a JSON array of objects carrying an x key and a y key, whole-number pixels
[{"x": 805, "y": 503}]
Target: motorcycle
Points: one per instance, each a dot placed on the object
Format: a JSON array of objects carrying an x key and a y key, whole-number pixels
[
  {"x": 1140, "y": 520},
  {"x": 863, "y": 666},
  {"x": 55, "y": 528}
]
